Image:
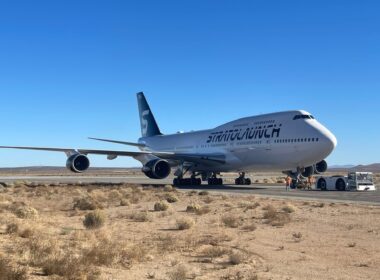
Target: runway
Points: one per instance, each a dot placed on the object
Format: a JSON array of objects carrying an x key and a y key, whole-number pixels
[{"x": 275, "y": 191}]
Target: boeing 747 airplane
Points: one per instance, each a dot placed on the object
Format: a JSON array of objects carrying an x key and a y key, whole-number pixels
[{"x": 293, "y": 142}]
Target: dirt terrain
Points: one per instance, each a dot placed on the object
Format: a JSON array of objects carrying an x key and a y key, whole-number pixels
[{"x": 129, "y": 232}]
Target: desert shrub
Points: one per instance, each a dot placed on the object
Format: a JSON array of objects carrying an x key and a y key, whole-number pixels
[
  {"x": 94, "y": 220},
  {"x": 215, "y": 252},
  {"x": 185, "y": 223},
  {"x": 203, "y": 210},
  {"x": 319, "y": 205},
  {"x": 124, "y": 202},
  {"x": 12, "y": 228},
  {"x": 208, "y": 200},
  {"x": 179, "y": 273},
  {"x": 28, "y": 232},
  {"x": 275, "y": 218},
  {"x": 289, "y": 208},
  {"x": 140, "y": 217},
  {"x": 192, "y": 193},
  {"x": 26, "y": 212},
  {"x": 166, "y": 243},
  {"x": 11, "y": 272},
  {"x": 69, "y": 267},
  {"x": 86, "y": 204},
  {"x": 135, "y": 198},
  {"x": 231, "y": 221},
  {"x": 103, "y": 252},
  {"x": 171, "y": 198},
  {"x": 192, "y": 208},
  {"x": 169, "y": 188},
  {"x": 161, "y": 206},
  {"x": 237, "y": 258},
  {"x": 41, "y": 249},
  {"x": 203, "y": 193},
  {"x": 114, "y": 195},
  {"x": 252, "y": 206},
  {"x": 136, "y": 253},
  {"x": 250, "y": 227}
]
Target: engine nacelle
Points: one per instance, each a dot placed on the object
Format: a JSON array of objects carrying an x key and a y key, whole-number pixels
[
  {"x": 309, "y": 171},
  {"x": 157, "y": 169},
  {"x": 321, "y": 167},
  {"x": 78, "y": 163}
]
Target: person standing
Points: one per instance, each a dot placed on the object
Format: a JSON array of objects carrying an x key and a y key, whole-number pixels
[
  {"x": 310, "y": 182},
  {"x": 288, "y": 181}
]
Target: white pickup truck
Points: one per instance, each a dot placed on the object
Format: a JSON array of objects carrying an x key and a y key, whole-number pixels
[{"x": 355, "y": 181}]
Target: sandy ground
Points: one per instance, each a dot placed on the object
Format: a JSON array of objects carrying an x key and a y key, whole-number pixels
[{"x": 42, "y": 236}]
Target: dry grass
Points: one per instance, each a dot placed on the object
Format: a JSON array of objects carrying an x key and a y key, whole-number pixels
[
  {"x": 213, "y": 252},
  {"x": 203, "y": 211},
  {"x": 12, "y": 228},
  {"x": 237, "y": 258},
  {"x": 140, "y": 217},
  {"x": 161, "y": 206},
  {"x": 185, "y": 223},
  {"x": 179, "y": 273},
  {"x": 26, "y": 212},
  {"x": 223, "y": 243},
  {"x": 275, "y": 218},
  {"x": 203, "y": 193},
  {"x": 192, "y": 208},
  {"x": 289, "y": 208},
  {"x": 94, "y": 220},
  {"x": 250, "y": 227},
  {"x": 231, "y": 221},
  {"x": 86, "y": 204},
  {"x": 171, "y": 198},
  {"x": 124, "y": 202},
  {"x": 8, "y": 271}
]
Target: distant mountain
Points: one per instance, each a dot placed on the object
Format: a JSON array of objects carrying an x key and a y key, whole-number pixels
[
  {"x": 375, "y": 168},
  {"x": 342, "y": 166}
]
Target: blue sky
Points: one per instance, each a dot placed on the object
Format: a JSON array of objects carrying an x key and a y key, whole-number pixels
[{"x": 70, "y": 69}]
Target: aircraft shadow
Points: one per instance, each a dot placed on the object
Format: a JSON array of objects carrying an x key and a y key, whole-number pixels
[{"x": 207, "y": 187}]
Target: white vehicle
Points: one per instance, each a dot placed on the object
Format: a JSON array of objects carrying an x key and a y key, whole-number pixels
[{"x": 355, "y": 181}]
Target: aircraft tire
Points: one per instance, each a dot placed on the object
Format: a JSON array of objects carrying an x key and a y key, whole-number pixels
[
  {"x": 322, "y": 184},
  {"x": 340, "y": 185}
]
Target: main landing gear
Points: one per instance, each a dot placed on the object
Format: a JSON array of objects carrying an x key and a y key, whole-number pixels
[
  {"x": 241, "y": 180},
  {"x": 187, "y": 181},
  {"x": 215, "y": 181}
]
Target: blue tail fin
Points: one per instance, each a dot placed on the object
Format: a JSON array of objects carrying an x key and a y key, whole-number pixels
[{"x": 149, "y": 125}]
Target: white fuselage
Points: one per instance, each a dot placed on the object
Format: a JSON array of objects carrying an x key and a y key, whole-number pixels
[{"x": 272, "y": 142}]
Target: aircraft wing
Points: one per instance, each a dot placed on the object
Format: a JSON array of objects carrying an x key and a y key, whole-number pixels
[{"x": 208, "y": 159}]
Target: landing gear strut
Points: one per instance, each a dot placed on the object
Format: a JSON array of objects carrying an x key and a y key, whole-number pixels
[
  {"x": 180, "y": 181},
  {"x": 241, "y": 180},
  {"x": 215, "y": 181},
  {"x": 187, "y": 181}
]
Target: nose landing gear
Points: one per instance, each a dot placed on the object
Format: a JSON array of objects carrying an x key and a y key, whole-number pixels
[{"x": 241, "y": 180}]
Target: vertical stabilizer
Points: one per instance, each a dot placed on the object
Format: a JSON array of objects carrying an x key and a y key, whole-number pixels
[{"x": 149, "y": 125}]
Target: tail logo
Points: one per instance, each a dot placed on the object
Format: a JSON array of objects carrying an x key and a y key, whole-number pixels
[{"x": 144, "y": 122}]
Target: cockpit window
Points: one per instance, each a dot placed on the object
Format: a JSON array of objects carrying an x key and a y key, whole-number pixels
[{"x": 298, "y": 117}]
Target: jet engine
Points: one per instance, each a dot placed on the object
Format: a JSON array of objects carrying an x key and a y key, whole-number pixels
[
  {"x": 321, "y": 167},
  {"x": 78, "y": 163},
  {"x": 309, "y": 171},
  {"x": 157, "y": 169}
]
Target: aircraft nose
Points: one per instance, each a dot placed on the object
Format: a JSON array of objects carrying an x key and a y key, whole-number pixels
[
  {"x": 328, "y": 139},
  {"x": 332, "y": 141}
]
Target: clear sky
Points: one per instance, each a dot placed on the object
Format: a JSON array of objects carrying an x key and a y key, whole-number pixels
[{"x": 70, "y": 69}]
